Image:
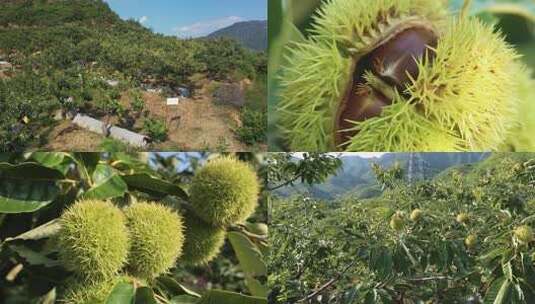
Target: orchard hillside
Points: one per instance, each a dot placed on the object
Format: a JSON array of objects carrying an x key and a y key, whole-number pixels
[
  {"x": 60, "y": 58},
  {"x": 463, "y": 236}
]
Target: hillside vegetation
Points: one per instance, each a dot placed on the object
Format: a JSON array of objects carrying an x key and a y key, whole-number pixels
[
  {"x": 465, "y": 236},
  {"x": 252, "y": 34},
  {"x": 64, "y": 54},
  {"x": 357, "y": 178}
]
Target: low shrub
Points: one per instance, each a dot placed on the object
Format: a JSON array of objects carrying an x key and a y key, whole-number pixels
[
  {"x": 254, "y": 125},
  {"x": 155, "y": 129}
]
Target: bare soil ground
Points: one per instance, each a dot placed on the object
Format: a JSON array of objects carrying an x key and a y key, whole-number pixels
[
  {"x": 68, "y": 137},
  {"x": 196, "y": 123}
]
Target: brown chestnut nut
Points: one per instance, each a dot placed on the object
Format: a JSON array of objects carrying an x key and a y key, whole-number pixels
[
  {"x": 361, "y": 103},
  {"x": 395, "y": 60},
  {"x": 392, "y": 63}
]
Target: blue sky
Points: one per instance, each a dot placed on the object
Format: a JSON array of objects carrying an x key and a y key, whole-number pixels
[{"x": 189, "y": 18}]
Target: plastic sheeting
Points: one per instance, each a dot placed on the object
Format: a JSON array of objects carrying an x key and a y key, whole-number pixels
[{"x": 97, "y": 126}]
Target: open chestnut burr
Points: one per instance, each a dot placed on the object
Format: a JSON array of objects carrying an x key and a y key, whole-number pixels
[{"x": 376, "y": 75}]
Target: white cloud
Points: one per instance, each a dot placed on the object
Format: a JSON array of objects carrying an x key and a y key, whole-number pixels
[
  {"x": 204, "y": 28},
  {"x": 367, "y": 154},
  {"x": 143, "y": 19},
  {"x": 361, "y": 154}
]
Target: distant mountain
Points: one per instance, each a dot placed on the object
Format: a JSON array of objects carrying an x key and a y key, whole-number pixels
[
  {"x": 252, "y": 34},
  {"x": 357, "y": 178}
]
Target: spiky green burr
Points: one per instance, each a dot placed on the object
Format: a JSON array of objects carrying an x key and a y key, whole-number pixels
[
  {"x": 224, "y": 191},
  {"x": 203, "y": 241},
  {"x": 156, "y": 234},
  {"x": 92, "y": 292},
  {"x": 460, "y": 94},
  {"x": 93, "y": 240}
]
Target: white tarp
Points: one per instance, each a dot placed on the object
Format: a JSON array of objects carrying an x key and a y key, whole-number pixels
[
  {"x": 5, "y": 65},
  {"x": 133, "y": 139},
  {"x": 96, "y": 126},
  {"x": 172, "y": 101},
  {"x": 91, "y": 124},
  {"x": 112, "y": 82}
]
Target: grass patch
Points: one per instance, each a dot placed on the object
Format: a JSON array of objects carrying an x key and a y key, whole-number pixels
[{"x": 254, "y": 114}]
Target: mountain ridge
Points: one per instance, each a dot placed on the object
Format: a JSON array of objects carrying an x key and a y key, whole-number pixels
[
  {"x": 251, "y": 34},
  {"x": 357, "y": 177}
]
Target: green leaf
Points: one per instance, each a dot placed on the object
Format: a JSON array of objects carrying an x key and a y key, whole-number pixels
[
  {"x": 226, "y": 297},
  {"x": 528, "y": 267},
  {"x": 184, "y": 299},
  {"x": 32, "y": 257},
  {"x": 521, "y": 8},
  {"x": 60, "y": 161},
  {"x": 29, "y": 171},
  {"x": 122, "y": 293},
  {"x": 176, "y": 288},
  {"x": 106, "y": 183},
  {"x": 383, "y": 264},
  {"x": 498, "y": 291},
  {"x": 529, "y": 219},
  {"x": 88, "y": 160},
  {"x": 493, "y": 254},
  {"x": 44, "y": 231},
  {"x": 507, "y": 271},
  {"x": 144, "y": 295},
  {"x": 518, "y": 295},
  {"x": 287, "y": 33},
  {"x": 503, "y": 293},
  {"x": 275, "y": 10},
  {"x": 257, "y": 228},
  {"x": 263, "y": 247},
  {"x": 493, "y": 290},
  {"x": 128, "y": 163},
  {"x": 256, "y": 288},
  {"x": 19, "y": 196},
  {"x": 524, "y": 8},
  {"x": 145, "y": 182},
  {"x": 527, "y": 50},
  {"x": 27, "y": 187},
  {"x": 371, "y": 296},
  {"x": 49, "y": 297},
  {"x": 302, "y": 12},
  {"x": 443, "y": 255},
  {"x": 49, "y": 159},
  {"x": 248, "y": 254}
]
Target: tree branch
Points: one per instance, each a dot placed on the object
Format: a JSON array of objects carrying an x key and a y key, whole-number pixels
[
  {"x": 328, "y": 284},
  {"x": 286, "y": 183},
  {"x": 431, "y": 278}
]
